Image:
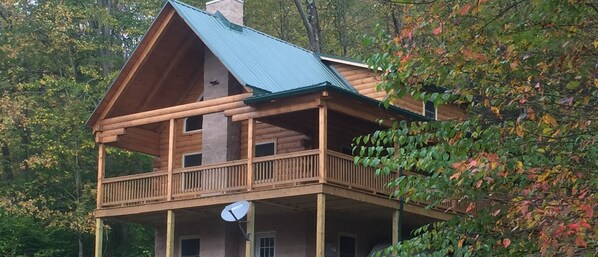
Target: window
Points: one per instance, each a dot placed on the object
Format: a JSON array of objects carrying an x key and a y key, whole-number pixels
[
  {"x": 190, "y": 247},
  {"x": 265, "y": 149},
  {"x": 193, "y": 124},
  {"x": 191, "y": 181},
  {"x": 347, "y": 246},
  {"x": 264, "y": 170},
  {"x": 192, "y": 159},
  {"x": 265, "y": 244},
  {"x": 430, "y": 110}
]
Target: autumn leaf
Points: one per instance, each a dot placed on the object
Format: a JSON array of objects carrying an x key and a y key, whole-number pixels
[
  {"x": 506, "y": 242},
  {"x": 437, "y": 30},
  {"x": 465, "y": 9}
]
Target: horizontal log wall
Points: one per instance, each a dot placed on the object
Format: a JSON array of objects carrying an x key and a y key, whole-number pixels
[{"x": 365, "y": 82}]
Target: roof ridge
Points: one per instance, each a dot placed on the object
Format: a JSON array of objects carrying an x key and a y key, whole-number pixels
[{"x": 244, "y": 27}]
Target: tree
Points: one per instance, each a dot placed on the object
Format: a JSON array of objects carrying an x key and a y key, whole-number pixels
[
  {"x": 311, "y": 23},
  {"x": 527, "y": 73}
]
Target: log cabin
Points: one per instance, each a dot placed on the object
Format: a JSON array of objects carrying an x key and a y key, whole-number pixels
[{"x": 230, "y": 113}]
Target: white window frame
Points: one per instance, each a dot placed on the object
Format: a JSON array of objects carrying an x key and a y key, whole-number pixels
[
  {"x": 187, "y": 132},
  {"x": 187, "y": 154},
  {"x": 338, "y": 242},
  {"x": 264, "y": 143},
  {"x": 181, "y": 238},
  {"x": 260, "y": 235},
  {"x": 424, "y": 110}
]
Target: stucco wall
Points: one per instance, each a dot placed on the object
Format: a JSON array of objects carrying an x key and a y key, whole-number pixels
[{"x": 295, "y": 234}]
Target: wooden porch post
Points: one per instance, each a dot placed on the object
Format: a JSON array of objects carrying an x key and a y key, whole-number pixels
[
  {"x": 170, "y": 233},
  {"x": 249, "y": 251},
  {"x": 323, "y": 140},
  {"x": 250, "y": 152},
  {"x": 395, "y": 226},
  {"x": 101, "y": 174},
  {"x": 99, "y": 244},
  {"x": 321, "y": 226},
  {"x": 171, "y": 139}
]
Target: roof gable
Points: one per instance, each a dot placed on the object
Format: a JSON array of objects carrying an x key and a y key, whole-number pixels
[{"x": 256, "y": 59}]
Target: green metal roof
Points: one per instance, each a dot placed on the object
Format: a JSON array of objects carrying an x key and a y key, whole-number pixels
[{"x": 257, "y": 60}]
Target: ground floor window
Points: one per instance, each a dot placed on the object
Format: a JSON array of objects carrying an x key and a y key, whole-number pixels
[
  {"x": 347, "y": 246},
  {"x": 190, "y": 247},
  {"x": 265, "y": 244}
]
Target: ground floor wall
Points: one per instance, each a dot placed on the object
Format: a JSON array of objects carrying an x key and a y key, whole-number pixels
[{"x": 294, "y": 234}]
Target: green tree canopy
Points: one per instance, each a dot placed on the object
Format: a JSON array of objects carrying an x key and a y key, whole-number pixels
[{"x": 527, "y": 73}]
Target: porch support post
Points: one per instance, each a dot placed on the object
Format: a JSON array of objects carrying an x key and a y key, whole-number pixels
[
  {"x": 321, "y": 226},
  {"x": 171, "y": 138},
  {"x": 249, "y": 251},
  {"x": 396, "y": 216},
  {"x": 250, "y": 152},
  {"x": 170, "y": 233},
  {"x": 101, "y": 174},
  {"x": 323, "y": 140},
  {"x": 99, "y": 244}
]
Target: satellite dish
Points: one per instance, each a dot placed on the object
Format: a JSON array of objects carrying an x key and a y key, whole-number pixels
[{"x": 235, "y": 211}]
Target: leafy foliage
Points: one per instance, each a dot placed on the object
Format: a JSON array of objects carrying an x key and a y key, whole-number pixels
[{"x": 525, "y": 160}]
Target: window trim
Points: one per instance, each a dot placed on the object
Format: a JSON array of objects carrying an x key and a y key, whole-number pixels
[
  {"x": 187, "y": 154},
  {"x": 266, "y": 142},
  {"x": 188, "y": 132},
  {"x": 338, "y": 242},
  {"x": 258, "y": 235},
  {"x": 181, "y": 238},
  {"x": 424, "y": 110}
]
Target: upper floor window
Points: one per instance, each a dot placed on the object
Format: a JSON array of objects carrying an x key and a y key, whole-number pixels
[
  {"x": 265, "y": 149},
  {"x": 193, "y": 124},
  {"x": 430, "y": 110},
  {"x": 190, "y": 247},
  {"x": 192, "y": 159},
  {"x": 265, "y": 245}
]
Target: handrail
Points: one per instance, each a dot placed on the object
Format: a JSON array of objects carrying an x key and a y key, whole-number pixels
[
  {"x": 285, "y": 155},
  {"x": 135, "y": 176},
  {"x": 210, "y": 166}
]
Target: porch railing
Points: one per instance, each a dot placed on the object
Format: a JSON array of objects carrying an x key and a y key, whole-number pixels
[{"x": 282, "y": 170}]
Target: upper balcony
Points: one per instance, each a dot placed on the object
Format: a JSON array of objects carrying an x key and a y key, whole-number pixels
[{"x": 309, "y": 132}]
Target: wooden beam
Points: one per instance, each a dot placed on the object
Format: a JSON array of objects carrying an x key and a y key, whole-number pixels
[
  {"x": 171, "y": 138},
  {"x": 175, "y": 112},
  {"x": 101, "y": 174},
  {"x": 250, "y": 152},
  {"x": 249, "y": 251},
  {"x": 271, "y": 111},
  {"x": 321, "y": 226},
  {"x": 142, "y": 58},
  {"x": 180, "y": 52},
  {"x": 99, "y": 242},
  {"x": 107, "y": 139},
  {"x": 170, "y": 223},
  {"x": 101, "y": 134},
  {"x": 323, "y": 140},
  {"x": 368, "y": 114}
]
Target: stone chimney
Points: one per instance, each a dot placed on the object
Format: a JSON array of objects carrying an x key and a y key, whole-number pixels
[
  {"x": 220, "y": 136},
  {"x": 231, "y": 9}
]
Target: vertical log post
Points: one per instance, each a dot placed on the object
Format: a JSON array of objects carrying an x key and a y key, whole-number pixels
[
  {"x": 99, "y": 244},
  {"x": 171, "y": 139},
  {"x": 321, "y": 226},
  {"x": 170, "y": 233},
  {"x": 396, "y": 216},
  {"x": 250, "y": 152},
  {"x": 249, "y": 251},
  {"x": 323, "y": 140},
  {"x": 101, "y": 174}
]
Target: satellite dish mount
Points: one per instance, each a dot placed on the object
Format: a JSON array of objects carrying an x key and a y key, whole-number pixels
[{"x": 234, "y": 212}]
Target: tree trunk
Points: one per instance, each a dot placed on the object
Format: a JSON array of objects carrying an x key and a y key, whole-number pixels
[{"x": 311, "y": 23}]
